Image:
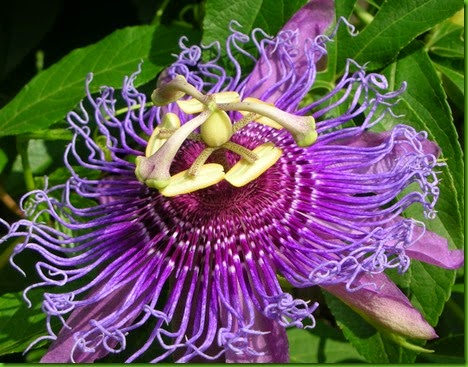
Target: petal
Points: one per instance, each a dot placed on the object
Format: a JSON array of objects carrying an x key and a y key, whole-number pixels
[
  {"x": 273, "y": 344},
  {"x": 380, "y": 302},
  {"x": 410, "y": 145},
  {"x": 433, "y": 249},
  {"x": 79, "y": 321},
  {"x": 311, "y": 20}
]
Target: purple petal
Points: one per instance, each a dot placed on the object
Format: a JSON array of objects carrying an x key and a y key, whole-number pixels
[
  {"x": 433, "y": 249},
  {"x": 371, "y": 139},
  {"x": 79, "y": 321},
  {"x": 380, "y": 302},
  {"x": 311, "y": 20},
  {"x": 273, "y": 345}
]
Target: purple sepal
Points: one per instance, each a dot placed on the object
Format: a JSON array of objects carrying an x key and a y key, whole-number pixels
[
  {"x": 433, "y": 249},
  {"x": 371, "y": 139},
  {"x": 309, "y": 22},
  {"x": 271, "y": 346},
  {"x": 70, "y": 348},
  {"x": 380, "y": 302}
]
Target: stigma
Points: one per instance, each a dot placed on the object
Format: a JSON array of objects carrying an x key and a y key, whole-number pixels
[{"x": 213, "y": 127}]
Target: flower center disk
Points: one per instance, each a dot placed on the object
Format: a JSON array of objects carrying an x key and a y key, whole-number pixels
[{"x": 215, "y": 132}]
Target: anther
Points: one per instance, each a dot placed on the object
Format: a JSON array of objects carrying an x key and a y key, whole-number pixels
[
  {"x": 191, "y": 106},
  {"x": 170, "y": 122},
  {"x": 244, "y": 172},
  {"x": 184, "y": 183},
  {"x": 154, "y": 170}
]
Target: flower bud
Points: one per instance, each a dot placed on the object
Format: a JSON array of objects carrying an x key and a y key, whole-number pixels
[{"x": 383, "y": 305}]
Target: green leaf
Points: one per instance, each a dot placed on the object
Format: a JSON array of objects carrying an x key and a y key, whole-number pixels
[
  {"x": 3, "y": 160},
  {"x": 456, "y": 76},
  {"x": 270, "y": 15},
  {"x": 57, "y": 90},
  {"x": 371, "y": 344},
  {"x": 424, "y": 106},
  {"x": 395, "y": 25},
  {"x": 20, "y": 325},
  {"x": 344, "y": 9},
  {"x": 447, "y": 40},
  {"x": 454, "y": 82},
  {"x": 274, "y": 14},
  {"x": 322, "y": 344}
]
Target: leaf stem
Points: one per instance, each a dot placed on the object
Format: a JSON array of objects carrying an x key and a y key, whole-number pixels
[
  {"x": 52, "y": 134},
  {"x": 22, "y": 148},
  {"x": 135, "y": 107},
  {"x": 160, "y": 12},
  {"x": 456, "y": 310},
  {"x": 10, "y": 203},
  {"x": 363, "y": 15}
]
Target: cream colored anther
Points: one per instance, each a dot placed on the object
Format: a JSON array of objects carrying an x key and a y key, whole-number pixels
[
  {"x": 192, "y": 106},
  {"x": 244, "y": 172},
  {"x": 170, "y": 121},
  {"x": 184, "y": 183}
]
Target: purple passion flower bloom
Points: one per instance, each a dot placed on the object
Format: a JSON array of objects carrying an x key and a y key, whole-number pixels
[{"x": 201, "y": 203}]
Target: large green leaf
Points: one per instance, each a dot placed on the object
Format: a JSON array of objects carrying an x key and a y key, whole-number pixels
[
  {"x": 322, "y": 344},
  {"x": 395, "y": 25},
  {"x": 55, "y": 91},
  {"x": 270, "y": 15},
  {"x": 20, "y": 325}
]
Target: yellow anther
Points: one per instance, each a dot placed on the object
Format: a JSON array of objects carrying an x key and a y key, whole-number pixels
[
  {"x": 217, "y": 129},
  {"x": 261, "y": 119},
  {"x": 184, "y": 183},
  {"x": 169, "y": 121},
  {"x": 192, "y": 106},
  {"x": 244, "y": 172}
]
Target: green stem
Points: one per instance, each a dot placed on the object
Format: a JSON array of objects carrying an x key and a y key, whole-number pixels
[
  {"x": 53, "y": 134},
  {"x": 456, "y": 310},
  {"x": 22, "y": 148},
  {"x": 135, "y": 107},
  {"x": 160, "y": 12},
  {"x": 363, "y": 15}
]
